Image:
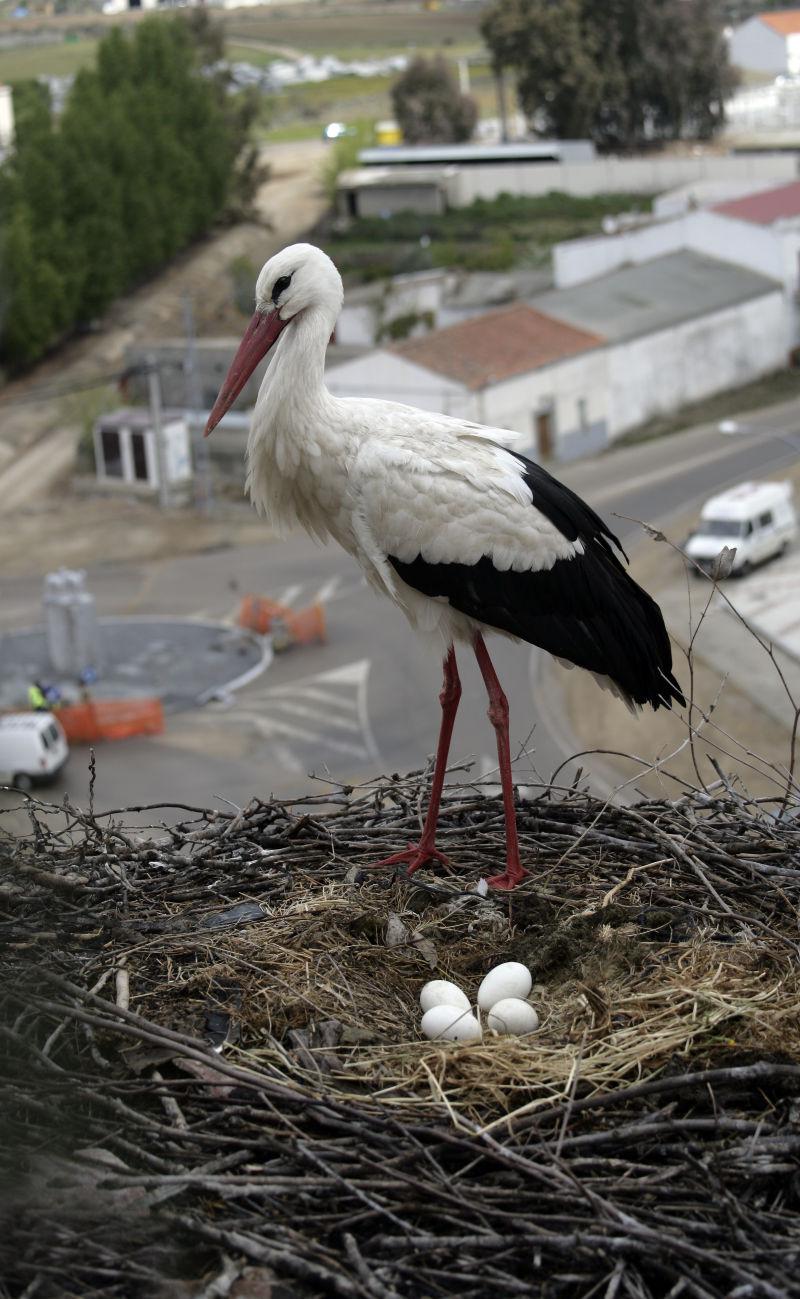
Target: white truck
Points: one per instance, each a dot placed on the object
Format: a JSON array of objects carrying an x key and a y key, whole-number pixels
[
  {"x": 33, "y": 749},
  {"x": 758, "y": 519}
]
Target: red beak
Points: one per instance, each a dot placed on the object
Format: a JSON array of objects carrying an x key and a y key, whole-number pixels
[{"x": 258, "y": 339}]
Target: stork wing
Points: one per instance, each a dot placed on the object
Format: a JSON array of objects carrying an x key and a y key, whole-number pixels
[
  {"x": 509, "y": 546},
  {"x": 448, "y": 493}
]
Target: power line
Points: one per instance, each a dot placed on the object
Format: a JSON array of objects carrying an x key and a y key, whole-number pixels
[{"x": 49, "y": 392}]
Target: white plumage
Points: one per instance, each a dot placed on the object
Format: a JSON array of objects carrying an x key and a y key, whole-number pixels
[{"x": 463, "y": 534}]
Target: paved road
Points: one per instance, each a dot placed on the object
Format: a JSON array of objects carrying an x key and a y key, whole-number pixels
[{"x": 366, "y": 701}]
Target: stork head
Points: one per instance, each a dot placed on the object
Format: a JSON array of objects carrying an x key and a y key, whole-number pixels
[{"x": 297, "y": 280}]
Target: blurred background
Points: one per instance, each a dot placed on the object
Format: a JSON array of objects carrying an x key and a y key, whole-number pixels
[{"x": 616, "y": 184}]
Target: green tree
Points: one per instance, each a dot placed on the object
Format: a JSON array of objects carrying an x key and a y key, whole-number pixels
[
  {"x": 626, "y": 73},
  {"x": 31, "y": 289},
  {"x": 147, "y": 155},
  {"x": 428, "y": 105}
]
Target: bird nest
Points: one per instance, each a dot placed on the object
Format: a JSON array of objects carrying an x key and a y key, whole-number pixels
[{"x": 215, "y": 1082}]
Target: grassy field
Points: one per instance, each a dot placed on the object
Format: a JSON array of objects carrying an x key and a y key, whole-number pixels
[
  {"x": 360, "y": 30},
  {"x": 58, "y": 60},
  {"x": 260, "y": 58}
]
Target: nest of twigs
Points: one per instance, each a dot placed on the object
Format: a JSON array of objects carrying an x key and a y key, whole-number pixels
[{"x": 215, "y": 1082}]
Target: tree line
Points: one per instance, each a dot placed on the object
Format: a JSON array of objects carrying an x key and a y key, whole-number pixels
[
  {"x": 626, "y": 74},
  {"x": 143, "y": 160}
]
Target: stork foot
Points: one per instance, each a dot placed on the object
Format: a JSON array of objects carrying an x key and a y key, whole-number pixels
[
  {"x": 508, "y": 880},
  {"x": 416, "y": 855}
]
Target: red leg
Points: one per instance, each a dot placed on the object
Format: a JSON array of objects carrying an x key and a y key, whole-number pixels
[
  {"x": 417, "y": 854},
  {"x": 498, "y": 716}
]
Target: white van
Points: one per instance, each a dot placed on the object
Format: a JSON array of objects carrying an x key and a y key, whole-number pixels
[
  {"x": 33, "y": 749},
  {"x": 759, "y": 519}
]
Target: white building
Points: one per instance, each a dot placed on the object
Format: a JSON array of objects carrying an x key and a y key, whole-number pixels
[
  {"x": 768, "y": 42},
  {"x": 759, "y": 232},
  {"x": 515, "y": 368},
  {"x": 577, "y": 366},
  {"x": 127, "y": 453},
  {"x": 678, "y": 327}
]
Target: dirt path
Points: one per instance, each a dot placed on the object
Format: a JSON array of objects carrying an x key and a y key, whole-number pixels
[{"x": 287, "y": 205}]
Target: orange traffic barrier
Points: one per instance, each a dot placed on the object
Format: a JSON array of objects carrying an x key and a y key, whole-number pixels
[
  {"x": 256, "y": 613},
  {"x": 303, "y": 627},
  {"x": 111, "y": 719}
]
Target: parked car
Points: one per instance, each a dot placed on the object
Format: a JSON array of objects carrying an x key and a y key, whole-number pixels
[
  {"x": 757, "y": 519},
  {"x": 33, "y": 749}
]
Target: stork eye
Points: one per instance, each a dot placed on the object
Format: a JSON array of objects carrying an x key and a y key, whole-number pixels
[{"x": 280, "y": 285}]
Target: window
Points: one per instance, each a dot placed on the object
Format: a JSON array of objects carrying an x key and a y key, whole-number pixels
[
  {"x": 583, "y": 413},
  {"x": 765, "y": 520},
  {"x": 112, "y": 453},
  {"x": 139, "y": 454},
  {"x": 726, "y": 528},
  {"x": 52, "y": 731},
  {"x": 44, "y": 737}
]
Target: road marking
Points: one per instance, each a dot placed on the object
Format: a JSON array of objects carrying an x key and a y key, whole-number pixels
[
  {"x": 269, "y": 726},
  {"x": 291, "y": 593},
  {"x": 327, "y": 591},
  {"x": 328, "y": 710}
]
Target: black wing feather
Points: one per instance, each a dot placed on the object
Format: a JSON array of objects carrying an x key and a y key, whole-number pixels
[{"x": 586, "y": 609}]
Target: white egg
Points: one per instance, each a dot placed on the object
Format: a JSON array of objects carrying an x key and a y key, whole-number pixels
[
  {"x": 452, "y": 1024},
  {"x": 512, "y": 1015},
  {"x": 441, "y": 993},
  {"x": 507, "y": 980}
]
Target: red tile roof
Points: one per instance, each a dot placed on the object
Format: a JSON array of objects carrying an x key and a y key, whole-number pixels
[
  {"x": 786, "y": 22},
  {"x": 765, "y": 208},
  {"x": 489, "y": 348}
]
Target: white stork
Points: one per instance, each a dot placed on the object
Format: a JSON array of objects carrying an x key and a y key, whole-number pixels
[{"x": 463, "y": 534}]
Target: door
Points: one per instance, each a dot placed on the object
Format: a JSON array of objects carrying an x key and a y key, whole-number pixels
[
  {"x": 139, "y": 457},
  {"x": 112, "y": 453},
  {"x": 543, "y": 421}
]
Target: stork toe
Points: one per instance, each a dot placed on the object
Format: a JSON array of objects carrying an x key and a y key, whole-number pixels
[{"x": 416, "y": 855}]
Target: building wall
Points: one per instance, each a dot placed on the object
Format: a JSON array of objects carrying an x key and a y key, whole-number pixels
[
  {"x": 387, "y": 199},
  {"x": 574, "y": 390},
  {"x": 663, "y": 371},
  {"x": 388, "y": 377},
  {"x": 757, "y": 248},
  {"x": 758, "y": 48},
  {"x": 363, "y": 318},
  {"x": 606, "y": 175},
  {"x": 577, "y": 428}
]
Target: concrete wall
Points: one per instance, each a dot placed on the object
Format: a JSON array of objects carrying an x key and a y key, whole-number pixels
[
  {"x": 366, "y": 313},
  {"x": 758, "y": 48},
  {"x": 628, "y": 175},
  {"x": 667, "y": 369},
  {"x": 758, "y": 248},
  {"x": 386, "y": 199}
]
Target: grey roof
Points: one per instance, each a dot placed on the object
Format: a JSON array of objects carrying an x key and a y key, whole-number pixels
[{"x": 643, "y": 299}]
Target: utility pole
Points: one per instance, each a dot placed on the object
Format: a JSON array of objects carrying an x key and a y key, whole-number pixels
[
  {"x": 154, "y": 388},
  {"x": 200, "y": 456}
]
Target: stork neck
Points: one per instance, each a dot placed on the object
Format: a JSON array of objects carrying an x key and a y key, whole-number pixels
[{"x": 295, "y": 384}]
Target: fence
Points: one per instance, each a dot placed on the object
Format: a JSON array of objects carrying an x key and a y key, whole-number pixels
[{"x": 111, "y": 719}]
